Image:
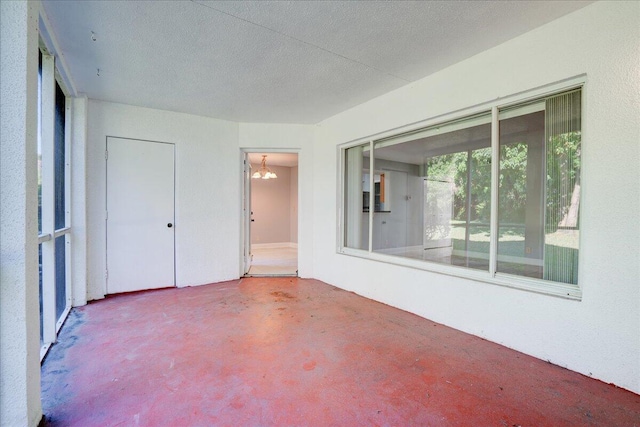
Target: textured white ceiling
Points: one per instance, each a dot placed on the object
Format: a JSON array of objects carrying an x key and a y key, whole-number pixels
[{"x": 275, "y": 61}]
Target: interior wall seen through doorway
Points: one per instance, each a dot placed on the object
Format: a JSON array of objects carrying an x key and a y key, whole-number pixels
[{"x": 274, "y": 203}]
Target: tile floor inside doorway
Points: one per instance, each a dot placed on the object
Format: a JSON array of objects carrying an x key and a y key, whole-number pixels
[
  {"x": 290, "y": 351},
  {"x": 280, "y": 261}
]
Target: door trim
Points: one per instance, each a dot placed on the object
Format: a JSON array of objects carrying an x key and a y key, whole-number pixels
[{"x": 244, "y": 154}]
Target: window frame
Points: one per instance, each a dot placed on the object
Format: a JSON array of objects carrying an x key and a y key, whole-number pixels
[
  {"x": 558, "y": 289},
  {"x": 51, "y": 78}
]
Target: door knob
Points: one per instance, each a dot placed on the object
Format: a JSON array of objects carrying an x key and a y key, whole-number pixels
[{"x": 169, "y": 225}]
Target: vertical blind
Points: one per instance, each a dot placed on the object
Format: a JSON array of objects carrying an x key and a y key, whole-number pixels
[{"x": 563, "y": 147}]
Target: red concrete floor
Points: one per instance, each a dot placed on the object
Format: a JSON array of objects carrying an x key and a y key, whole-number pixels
[{"x": 287, "y": 351}]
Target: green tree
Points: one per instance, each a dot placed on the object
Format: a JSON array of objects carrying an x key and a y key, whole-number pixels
[
  {"x": 563, "y": 180},
  {"x": 513, "y": 182}
]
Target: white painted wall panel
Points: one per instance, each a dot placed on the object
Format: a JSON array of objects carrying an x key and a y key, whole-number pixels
[
  {"x": 598, "y": 336},
  {"x": 207, "y": 226}
]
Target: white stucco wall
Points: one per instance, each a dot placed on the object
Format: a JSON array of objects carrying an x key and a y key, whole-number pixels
[
  {"x": 19, "y": 318},
  {"x": 290, "y": 138},
  {"x": 78, "y": 218},
  {"x": 597, "y": 336},
  {"x": 207, "y": 224}
]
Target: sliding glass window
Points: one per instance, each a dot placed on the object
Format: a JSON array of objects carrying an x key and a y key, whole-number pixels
[
  {"x": 539, "y": 195},
  {"x": 40, "y": 235},
  {"x": 427, "y": 194},
  {"x": 53, "y": 203},
  {"x": 60, "y": 211}
]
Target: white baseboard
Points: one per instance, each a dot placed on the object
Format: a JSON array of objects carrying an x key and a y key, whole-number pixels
[{"x": 274, "y": 245}]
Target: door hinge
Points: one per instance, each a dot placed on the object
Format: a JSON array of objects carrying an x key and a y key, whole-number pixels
[
  {"x": 106, "y": 274},
  {"x": 106, "y": 155},
  {"x": 106, "y": 215}
]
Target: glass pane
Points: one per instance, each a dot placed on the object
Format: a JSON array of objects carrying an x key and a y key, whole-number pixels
[
  {"x": 390, "y": 207},
  {"x": 59, "y": 156},
  {"x": 40, "y": 291},
  {"x": 520, "y": 213},
  {"x": 61, "y": 275},
  {"x": 435, "y": 194},
  {"x": 539, "y": 192},
  {"x": 40, "y": 145},
  {"x": 357, "y": 201}
]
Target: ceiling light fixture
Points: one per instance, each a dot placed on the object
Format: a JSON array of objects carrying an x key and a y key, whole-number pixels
[{"x": 264, "y": 172}]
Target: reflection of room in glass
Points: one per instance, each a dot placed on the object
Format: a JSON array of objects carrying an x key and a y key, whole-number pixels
[
  {"x": 356, "y": 199},
  {"x": 380, "y": 202},
  {"x": 468, "y": 175},
  {"x": 441, "y": 179}
]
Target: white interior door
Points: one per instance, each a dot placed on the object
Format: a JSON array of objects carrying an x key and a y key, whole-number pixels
[
  {"x": 140, "y": 215},
  {"x": 247, "y": 213}
]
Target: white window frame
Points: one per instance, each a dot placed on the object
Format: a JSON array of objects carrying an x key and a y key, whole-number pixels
[
  {"x": 51, "y": 323},
  {"x": 563, "y": 290}
]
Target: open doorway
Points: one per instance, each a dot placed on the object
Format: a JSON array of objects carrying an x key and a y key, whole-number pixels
[{"x": 271, "y": 185}]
